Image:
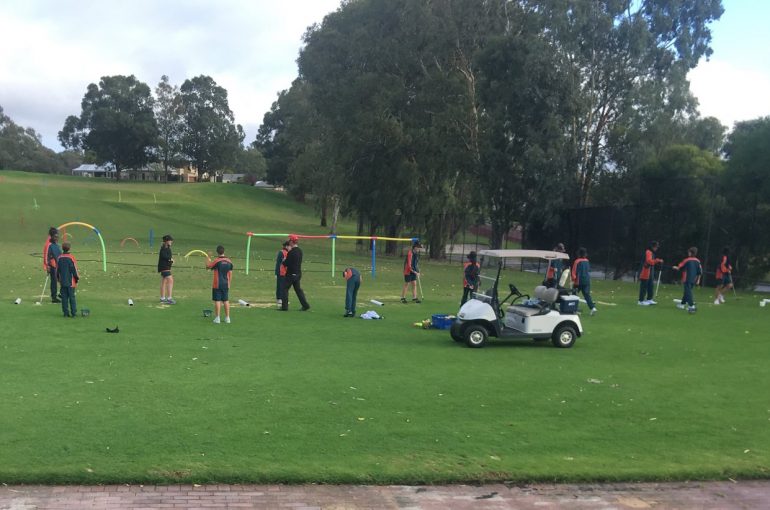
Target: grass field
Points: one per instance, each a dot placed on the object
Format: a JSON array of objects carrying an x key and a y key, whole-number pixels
[{"x": 646, "y": 394}]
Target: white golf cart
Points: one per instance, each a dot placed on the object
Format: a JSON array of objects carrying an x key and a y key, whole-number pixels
[{"x": 551, "y": 314}]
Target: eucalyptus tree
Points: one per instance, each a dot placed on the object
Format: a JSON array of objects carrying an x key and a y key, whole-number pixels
[
  {"x": 117, "y": 123},
  {"x": 169, "y": 116},
  {"x": 210, "y": 138}
]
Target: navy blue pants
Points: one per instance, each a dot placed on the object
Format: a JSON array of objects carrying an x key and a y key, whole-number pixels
[
  {"x": 68, "y": 304},
  {"x": 467, "y": 293},
  {"x": 278, "y": 286},
  {"x": 351, "y": 293},
  {"x": 586, "y": 290},
  {"x": 646, "y": 289},
  {"x": 54, "y": 293},
  {"x": 687, "y": 299}
]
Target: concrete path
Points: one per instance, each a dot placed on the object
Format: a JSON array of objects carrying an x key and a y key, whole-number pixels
[{"x": 700, "y": 495}]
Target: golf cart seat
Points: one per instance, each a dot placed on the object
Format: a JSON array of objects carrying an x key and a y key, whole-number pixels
[{"x": 545, "y": 300}]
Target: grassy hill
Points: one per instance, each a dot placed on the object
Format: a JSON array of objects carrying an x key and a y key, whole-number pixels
[{"x": 647, "y": 393}]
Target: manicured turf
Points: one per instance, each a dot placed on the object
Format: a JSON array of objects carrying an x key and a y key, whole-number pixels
[{"x": 646, "y": 393}]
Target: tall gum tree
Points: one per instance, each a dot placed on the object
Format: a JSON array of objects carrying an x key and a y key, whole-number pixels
[{"x": 117, "y": 123}]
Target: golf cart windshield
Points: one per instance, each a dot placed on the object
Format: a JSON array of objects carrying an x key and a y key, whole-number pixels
[{"x": 494, "y": 261}]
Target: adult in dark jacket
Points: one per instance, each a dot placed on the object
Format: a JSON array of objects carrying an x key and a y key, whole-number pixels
[{"x": 293, "y": 264}]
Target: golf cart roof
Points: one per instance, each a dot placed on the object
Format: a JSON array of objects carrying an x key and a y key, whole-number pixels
[{"x": 524, "y": 254}]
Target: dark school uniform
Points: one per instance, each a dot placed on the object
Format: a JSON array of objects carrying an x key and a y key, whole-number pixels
[
  {"x": 353, "y": 278},
  {"x": 581, "y": 279},
  {"x": 52, "y": 258},
  {"x": 647, "y": 275},
  {"x": 691, "y": 273},
  {"x": 553, "y": 273},
  {"x": 293, "y": 263},
  {"x": 164, "y": 260},
  {"x": 724, "y": 271},
  {"x": 67, "y": 272},
  {"x": 411, "y": 266},
  {"x": 470, "y": 280},
  {"x": 280, "y": 271},
  {"x": 223, "y": 273}
]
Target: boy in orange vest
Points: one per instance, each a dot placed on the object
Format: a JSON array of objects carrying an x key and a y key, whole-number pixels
[
  {"x": 647, "y": 275},
  {"x": 690, "y": 277},
  {"x": 220, "y": 287},
  {"x": 581, "y": 278},
  {"x": 67, "y": 273},
  {"x": 411, "y": 272},
  {"x": 724, "y": 276},
  {"x": 470, "y": 277}
]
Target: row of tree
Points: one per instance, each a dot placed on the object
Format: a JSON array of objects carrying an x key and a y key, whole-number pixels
[
  {"x": 22, "y": 149},
  {"x": 422, "y": 116},
  {"x": 122, "y": 123}
]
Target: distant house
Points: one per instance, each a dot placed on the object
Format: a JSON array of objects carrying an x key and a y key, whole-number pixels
[
  {"x": 233, "y": 177},
  {"x": 90, "y": 170},
  {"x": 152, "y": 172}
]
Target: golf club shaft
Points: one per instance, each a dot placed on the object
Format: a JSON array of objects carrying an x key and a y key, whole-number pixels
[
  {"x": 45, "y": 284},
  {"x": 419, "y": 283},
  {"x": 657, "y": 285}
]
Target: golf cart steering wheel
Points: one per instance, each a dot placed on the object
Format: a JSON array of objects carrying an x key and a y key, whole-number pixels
[{"x": 515, "y": 292}]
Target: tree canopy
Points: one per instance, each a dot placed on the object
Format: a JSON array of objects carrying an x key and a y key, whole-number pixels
[{"x": 117, "y": 123}]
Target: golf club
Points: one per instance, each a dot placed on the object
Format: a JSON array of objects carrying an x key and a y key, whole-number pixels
[
  {"x": 732, "y": 285},
  {"x": 657, "y": 285},
  {"x": 45, "y": 284},
  {"x": 419, "y": 284}
]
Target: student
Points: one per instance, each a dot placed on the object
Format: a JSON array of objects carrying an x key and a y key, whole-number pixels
[
  {"x": 724, "y": 276},
  {"x": 293, "y": 264},
  {"x": 165, "y": 261},
  {"x": 647, "y": 275},
  {"x": 67, "y": 272},
  {"x": 411, "y": 272},
  {"x": 353, "y": 278},
  {"x": 581, "y": 277},
  {"x": 52, "y": 254},
  {"x": 690, "y": 277},
  {"x": 555, "y": 268},
  {"x": 280, "y": 270},
  {"x": 470, "y": 277},
  {"x": 220, "y": 286}
]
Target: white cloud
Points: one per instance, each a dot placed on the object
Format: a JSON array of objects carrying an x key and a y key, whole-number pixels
[
  {"x": 52, "y": 50},
  {"x": 730, "y": 92}
]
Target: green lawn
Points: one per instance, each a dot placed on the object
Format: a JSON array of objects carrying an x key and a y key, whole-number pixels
[{"x": 646, "y": 394}]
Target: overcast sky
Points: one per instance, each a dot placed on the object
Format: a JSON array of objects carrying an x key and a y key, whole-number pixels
[{"x": 52, "y": 49}]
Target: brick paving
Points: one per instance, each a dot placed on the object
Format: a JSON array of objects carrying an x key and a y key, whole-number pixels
[{"x": 700, "y": 495}]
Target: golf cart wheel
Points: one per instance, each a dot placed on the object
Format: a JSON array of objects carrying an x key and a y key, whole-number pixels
[
  {"x": 456, "y": 332},
  {"x": 564, "y": 336},
  {"x": 476, "y": 335}
]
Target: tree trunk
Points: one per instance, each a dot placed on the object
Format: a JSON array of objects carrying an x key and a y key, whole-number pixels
[
  {"x": 359, "y": 231},
  {"x": 335, "y": 213},
  {"x": 324, "y": 207},
  {"x": 391, "y": 246}
]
